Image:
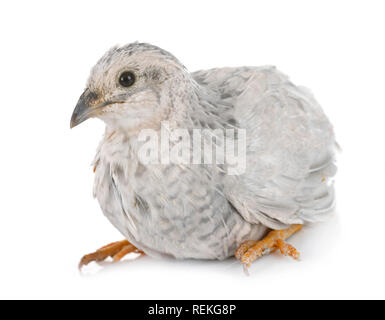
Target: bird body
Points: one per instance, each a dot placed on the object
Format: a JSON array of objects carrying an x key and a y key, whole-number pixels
[
  {"x": 146, "y": 204},
  {"x": 197, "y": 210}
]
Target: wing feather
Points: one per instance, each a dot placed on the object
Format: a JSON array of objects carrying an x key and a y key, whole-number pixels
[{"x": 290, "y": 147}]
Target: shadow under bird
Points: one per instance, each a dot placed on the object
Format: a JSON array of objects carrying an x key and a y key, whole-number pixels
[{"x": 198, "y": 210}]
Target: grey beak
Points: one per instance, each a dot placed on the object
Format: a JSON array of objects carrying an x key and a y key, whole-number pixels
[{"x": 83, "y": 109}]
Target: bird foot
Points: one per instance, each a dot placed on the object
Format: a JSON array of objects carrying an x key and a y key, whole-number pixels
[
  {"x": 116, "y": 250},
  {"x": 250, "y": 250}
]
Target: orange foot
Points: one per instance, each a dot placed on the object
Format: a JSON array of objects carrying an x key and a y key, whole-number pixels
[
  {"x": 116, "y": 250},
  {"x": 250, "y": 250}
]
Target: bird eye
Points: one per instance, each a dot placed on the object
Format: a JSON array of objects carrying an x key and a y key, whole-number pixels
[{"x": 127, "y": 79}]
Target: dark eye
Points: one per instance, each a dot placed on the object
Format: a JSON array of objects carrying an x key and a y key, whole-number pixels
[{"x": 127, "y": 79}]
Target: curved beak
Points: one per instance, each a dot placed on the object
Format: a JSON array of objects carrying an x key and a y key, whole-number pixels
[{"x": 84, "y": 108}]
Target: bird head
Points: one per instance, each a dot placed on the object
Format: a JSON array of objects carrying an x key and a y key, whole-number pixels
[{"x": 131, "y": 88}]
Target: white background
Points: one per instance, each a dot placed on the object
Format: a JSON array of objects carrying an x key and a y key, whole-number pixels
[{"x": 48, "y": 218}]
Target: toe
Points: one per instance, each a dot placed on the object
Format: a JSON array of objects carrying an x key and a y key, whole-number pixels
[
  {"x": 125, "y": 250},
  {"x": 252, "y": 254},
  {"x": 242, "y": 249},
  {"x": 86, "y": 259},
  {"x": 287, "y": 249}
]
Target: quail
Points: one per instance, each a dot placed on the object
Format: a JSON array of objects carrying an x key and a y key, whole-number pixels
[{"x": 199, "y": 210}]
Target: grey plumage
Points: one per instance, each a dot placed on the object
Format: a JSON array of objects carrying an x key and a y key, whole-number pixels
[{"x": 198, "y": 211}]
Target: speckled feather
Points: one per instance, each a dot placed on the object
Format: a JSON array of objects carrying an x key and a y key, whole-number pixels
[{"x": 197, "y": 211}]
